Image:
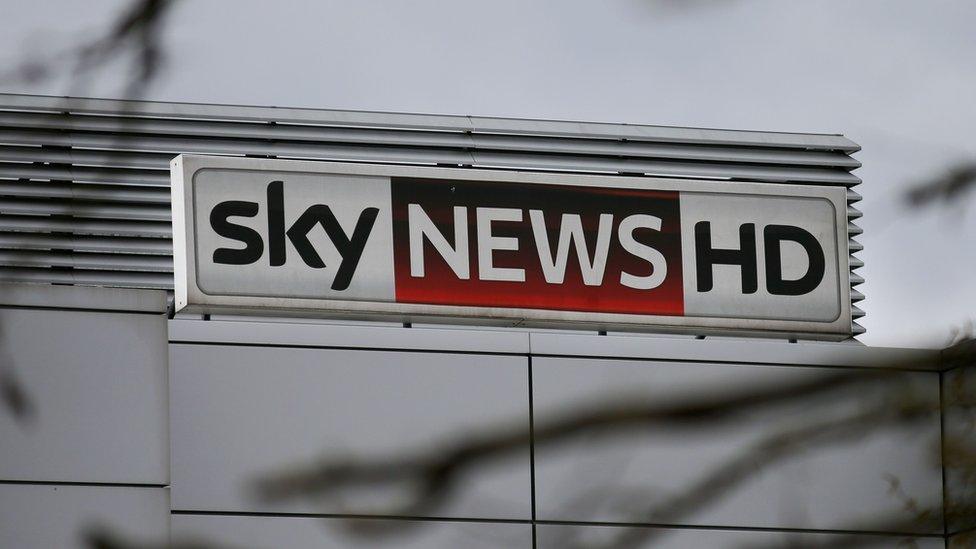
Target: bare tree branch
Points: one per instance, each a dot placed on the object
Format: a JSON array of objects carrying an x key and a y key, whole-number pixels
[
  {"x": 135, "y": 32},
  {"x": 15, "y": 397},
  {"x": 103, "y": 538},
  {"x": 436, "y": 473},
  {"x": 948, "y": 187},
  {"x": 138, "y": 29},
  {"x": 772, "y": 449}
]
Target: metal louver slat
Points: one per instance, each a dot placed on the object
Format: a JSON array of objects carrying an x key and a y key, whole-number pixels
[
  {"x": 94, "y": 175},
  {"x": 81, "y": 157},
  {"x": 667, "y": 168},
  {"x": 122, "y": 279},
  {"x": 150, "y": 212},
  {"x": 640, "y": 149},
  {"x": 121, "y": 262},
  {"x": 86, "y": 243},
  {"x": 86, "y": 191},
  {"x": 109, "y": 227}
]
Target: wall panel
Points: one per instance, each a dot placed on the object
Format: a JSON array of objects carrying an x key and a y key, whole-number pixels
[
  {"x": 49, "y": 517},
  {"x": 332, "y": 533},
  {"x": 841, "y": 482},
  {"x": 240, "y": 411},
  {"x": 559, "y": 536},
  {"x": 97, "y": 384}
]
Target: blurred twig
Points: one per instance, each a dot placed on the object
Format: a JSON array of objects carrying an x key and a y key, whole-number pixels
[
  {"x": 948, "y": 187},
  {"x": 138, "y": 29},
  {"x": 103, "y": 538},
  {"x": 436, "y": 473},
  {"x": 772, "y": 449},
  {"x": 14, "y": 396},
  {"x": 136, "y": 32}
]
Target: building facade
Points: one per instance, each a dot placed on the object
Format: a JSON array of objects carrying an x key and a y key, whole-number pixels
[{"x": 155, "y": 424}]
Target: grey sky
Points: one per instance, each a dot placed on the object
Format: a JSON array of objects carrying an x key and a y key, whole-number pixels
[{"x": 896, "y": 76}]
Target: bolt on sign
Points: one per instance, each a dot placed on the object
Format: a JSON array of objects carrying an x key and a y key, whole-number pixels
[{"x": 515, "y": 248}]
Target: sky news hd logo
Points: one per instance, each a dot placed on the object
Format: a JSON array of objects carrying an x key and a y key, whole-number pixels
[{"x": 513, "y": 244}]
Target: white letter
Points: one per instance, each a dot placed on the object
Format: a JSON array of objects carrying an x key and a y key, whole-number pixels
[
  {"x": 488, "y": 244},
  {"x": 571, "y": 229},
  {"x": 421, "y": 226},
  {"x": 659, "y": 265}
]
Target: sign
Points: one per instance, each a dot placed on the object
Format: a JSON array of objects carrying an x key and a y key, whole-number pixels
[{"x": 517, "y": 248}]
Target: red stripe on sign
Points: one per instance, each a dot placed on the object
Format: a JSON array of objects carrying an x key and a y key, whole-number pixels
[{"x": 630, "y": 238}]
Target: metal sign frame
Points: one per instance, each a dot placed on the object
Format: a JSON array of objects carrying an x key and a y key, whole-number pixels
[{"x": 189, "y": 297}]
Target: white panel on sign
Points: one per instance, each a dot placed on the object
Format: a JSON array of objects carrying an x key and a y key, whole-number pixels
[
  {"x": 760, "y": 257},
  {"x": 299, "y": 233}
]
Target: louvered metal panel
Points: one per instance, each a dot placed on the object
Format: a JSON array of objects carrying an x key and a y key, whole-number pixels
[
  {"x": 854, "y": 262},
  {"x": 486, "y": 159},
  {"x": 84, "y": 195},
  {"x": 96, "y": 129},
  {"x": 82, "y": 157},
  {"x": 465, "y": 124}
]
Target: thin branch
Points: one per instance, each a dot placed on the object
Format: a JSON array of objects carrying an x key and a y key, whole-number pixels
[
  {"x": 948, "y": 187},
  {"x": 136, "y": 31},
  {"x": 778, "y": 447},
  {"x": 436, "y": 473},
  {"x": 15, "y": 397},
  {"x": 101, "y": 538}
]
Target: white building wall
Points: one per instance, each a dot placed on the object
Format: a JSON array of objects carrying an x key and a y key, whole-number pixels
[
  {"x": 93, "y": 449},
  {"x": 122, "y": 421}
]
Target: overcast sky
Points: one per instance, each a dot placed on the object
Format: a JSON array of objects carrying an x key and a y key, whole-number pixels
[{"x": 895, "y": 76}]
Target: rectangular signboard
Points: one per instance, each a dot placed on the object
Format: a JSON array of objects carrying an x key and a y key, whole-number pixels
[{"x": 517, "y": 248}]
